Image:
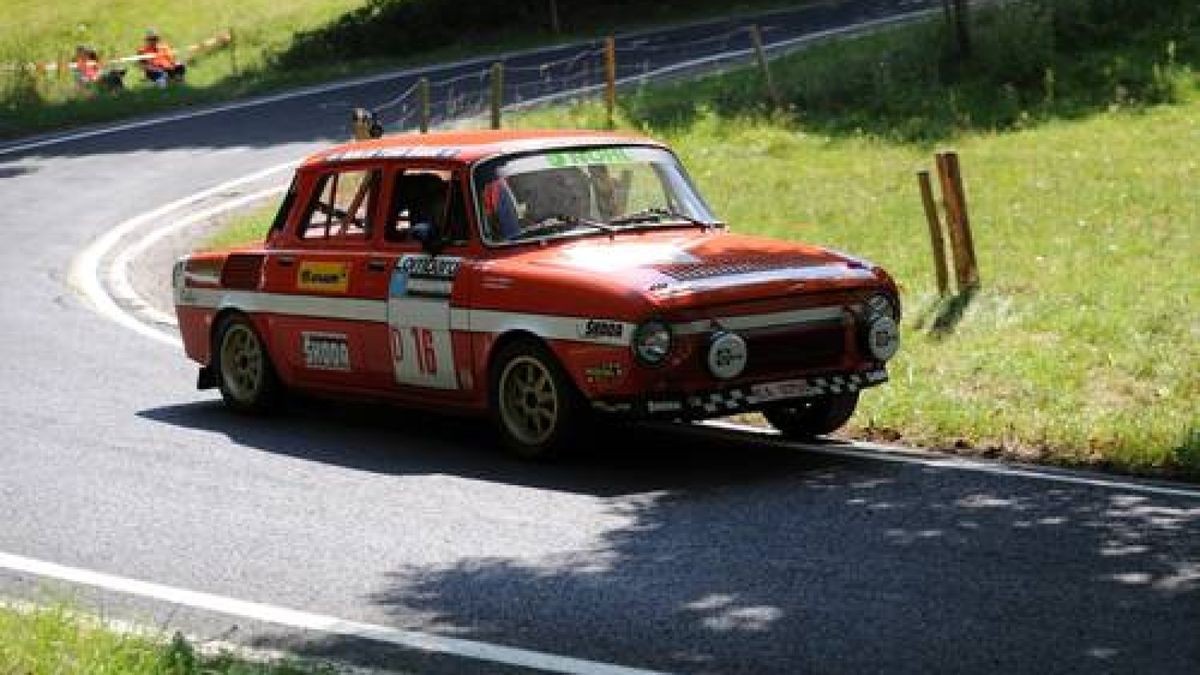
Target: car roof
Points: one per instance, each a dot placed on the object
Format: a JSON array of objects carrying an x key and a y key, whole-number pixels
[{"x": 471, "y": 146}]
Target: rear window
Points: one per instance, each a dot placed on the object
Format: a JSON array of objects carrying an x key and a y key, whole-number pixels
[{"x": 342, "y": 208}]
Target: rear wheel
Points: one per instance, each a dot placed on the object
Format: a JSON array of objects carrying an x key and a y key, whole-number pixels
[
  {"x": 244, "y": 373},
  {"x": 533, "y": 403},
  {"x": 807, "y": 418}
]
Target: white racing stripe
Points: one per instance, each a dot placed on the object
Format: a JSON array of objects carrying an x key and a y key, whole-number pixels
[
  {"x": 282, "y": 616},
  {"x": 901, "y": 455}
]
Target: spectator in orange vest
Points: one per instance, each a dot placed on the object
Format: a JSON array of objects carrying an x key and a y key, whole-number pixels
[
  {"x": 87, "y": 66},
  {"x": 90, "y": 72},
  {"x": 158, "y": 61}
]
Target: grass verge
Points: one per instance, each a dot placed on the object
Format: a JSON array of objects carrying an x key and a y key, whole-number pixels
[{"x": 57, "y": 640}]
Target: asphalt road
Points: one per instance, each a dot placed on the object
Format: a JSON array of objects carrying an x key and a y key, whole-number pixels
[{"x": 674, "y": 549}]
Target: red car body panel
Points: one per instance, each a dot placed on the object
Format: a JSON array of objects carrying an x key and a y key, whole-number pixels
[{"x": 328, "y": 314}]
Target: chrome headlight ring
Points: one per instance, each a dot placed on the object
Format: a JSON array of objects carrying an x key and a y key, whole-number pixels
[
  {"x": 652, "y": 342},
  {"x": 882, "y": 304}
]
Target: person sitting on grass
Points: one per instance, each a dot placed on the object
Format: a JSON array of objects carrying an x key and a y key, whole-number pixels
[
  {"x": 158, "y": 61},
  {"x": 90, "y": 72},
  {"x": 87, "y": 67}
]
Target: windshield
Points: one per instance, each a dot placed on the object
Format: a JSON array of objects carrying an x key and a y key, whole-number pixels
[{"x": 585, "y": 190}]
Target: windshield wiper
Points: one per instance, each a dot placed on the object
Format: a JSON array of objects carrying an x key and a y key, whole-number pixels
[
  {"x": 553, "y": 224},
  {"x": 656, "y": 214}
]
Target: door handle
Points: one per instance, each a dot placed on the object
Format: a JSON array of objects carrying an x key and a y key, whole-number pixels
[
  {"x": 286, "y": 260},
  {"x": 377, "y": 265}
]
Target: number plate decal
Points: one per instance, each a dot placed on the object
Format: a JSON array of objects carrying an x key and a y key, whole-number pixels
[
  {"x": 773, "y": 391},
  {"x": 419, "y": 321},
  {"x": 325, "y": 351}
]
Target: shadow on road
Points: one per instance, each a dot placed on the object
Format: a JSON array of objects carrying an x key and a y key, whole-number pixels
[
  {"x": 616, "y": 460},
  {"x": 738, "y": 556}
]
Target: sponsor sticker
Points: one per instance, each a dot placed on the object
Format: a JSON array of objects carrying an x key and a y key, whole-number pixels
[
  {"x": 586, "y": 157},
  {"x": 601, "y": 329},
  {"x": 604, "y": 372},
  {"x": 429, "y": 267},
  {"x": 325, "y": 351},
  {"x": 417, "y": 152},
  {"x": 424, "y": 275},
  {"x": 328, "y": 277}
]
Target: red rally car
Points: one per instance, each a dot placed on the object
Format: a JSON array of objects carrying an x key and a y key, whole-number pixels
[{"x": 542, "y": 278}]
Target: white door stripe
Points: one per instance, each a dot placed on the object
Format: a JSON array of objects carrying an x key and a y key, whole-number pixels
[{"x": 471, "y": 649}]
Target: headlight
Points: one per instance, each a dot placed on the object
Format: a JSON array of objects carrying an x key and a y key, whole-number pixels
[
  {"x": 881, "y": 304},
  {"x": 652, "y": 342},
  {"x": 883, "y": 337}
]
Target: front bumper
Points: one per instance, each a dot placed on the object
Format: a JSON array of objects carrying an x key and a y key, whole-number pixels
[{"x": 741, "y": 398}]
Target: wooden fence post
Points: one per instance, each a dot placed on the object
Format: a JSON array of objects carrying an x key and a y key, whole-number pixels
[
  {"x": 935, "y": 233},
  {"x": 772, "y": 92},
  {"x": 497, "y": 80},
  {"x": 555, "y": 26},
  {"x": 958, "y": 223},
  {"x": 423, "y": 102},
  {"x": 610, "y": 79},
  {"x": 233, "y": 64}
]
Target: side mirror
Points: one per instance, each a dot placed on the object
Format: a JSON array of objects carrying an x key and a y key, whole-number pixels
[{"x": 429, "y": 237}]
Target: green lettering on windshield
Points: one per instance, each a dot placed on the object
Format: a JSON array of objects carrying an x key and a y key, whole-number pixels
[{"x": 583, "y": 157}]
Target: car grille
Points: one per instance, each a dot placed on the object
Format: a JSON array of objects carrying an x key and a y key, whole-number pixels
[{"x": 792, "y": 348}]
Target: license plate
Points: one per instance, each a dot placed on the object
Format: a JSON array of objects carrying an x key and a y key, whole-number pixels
[{"x": 773, "y": 391}]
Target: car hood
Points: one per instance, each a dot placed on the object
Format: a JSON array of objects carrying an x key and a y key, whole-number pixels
[{"x": 685, "y": 268}]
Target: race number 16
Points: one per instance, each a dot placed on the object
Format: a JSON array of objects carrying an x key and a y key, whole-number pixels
[{"x": 426, "y": 354}]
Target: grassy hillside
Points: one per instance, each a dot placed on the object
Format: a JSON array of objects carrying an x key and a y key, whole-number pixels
[{"x": 38, "y": 31}]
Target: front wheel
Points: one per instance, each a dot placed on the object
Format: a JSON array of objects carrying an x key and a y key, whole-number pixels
[
  {"x": 533, "y": 403},
  {"x": 807, "y": 418},
  {"x": 244, "y": 372}
]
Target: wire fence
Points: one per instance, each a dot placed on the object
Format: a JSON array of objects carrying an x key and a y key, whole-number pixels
[{"x": 585, "y": 72}]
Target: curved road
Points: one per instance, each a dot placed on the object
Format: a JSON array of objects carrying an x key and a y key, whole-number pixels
[{"x": 695, "y": 550}]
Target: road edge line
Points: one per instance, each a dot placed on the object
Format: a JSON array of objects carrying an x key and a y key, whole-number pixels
[
  {"x": 896, "y": 454},
  {"x": 292, "y": 618}
]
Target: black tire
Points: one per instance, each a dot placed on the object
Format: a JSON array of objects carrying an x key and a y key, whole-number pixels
[
  {"x": 807, "y": 418},
  {"x": 243, "y": 368},
  {"x": 532, "y": 402}
]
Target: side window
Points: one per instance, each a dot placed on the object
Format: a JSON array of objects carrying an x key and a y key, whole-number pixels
[
  {"x": 419, "y": 196},
  {"x": 342, "y": 207}
]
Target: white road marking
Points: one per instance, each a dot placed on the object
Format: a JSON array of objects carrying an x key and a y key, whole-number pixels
[
  {"x": 900, "y": 455},
  {"x": 85, "y": 270},
  {"x": 264, "y": 100},
  {"x": 123, "y": 287},
  {"x": 282, "y": 616}
]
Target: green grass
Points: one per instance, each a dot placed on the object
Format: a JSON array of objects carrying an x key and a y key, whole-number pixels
[
  {"x": 41, "y": 31},
  {"x": 243, "y": 227},
  {"x": 58, "y": 641}
]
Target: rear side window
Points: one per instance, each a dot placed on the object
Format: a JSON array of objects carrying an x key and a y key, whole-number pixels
[{"x": 342, "y": 207}]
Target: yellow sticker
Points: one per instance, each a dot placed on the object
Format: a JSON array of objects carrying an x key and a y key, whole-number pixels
[{"x": 330, "y": 277}]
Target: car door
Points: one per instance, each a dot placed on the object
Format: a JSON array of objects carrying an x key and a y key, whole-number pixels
[
  {"x": 424, "y": 287},
  {"x": 321, "y": 286}
]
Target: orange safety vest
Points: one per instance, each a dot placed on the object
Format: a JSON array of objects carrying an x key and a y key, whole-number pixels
[
  {"x": 161, "y": 57},
  {"x": 87, "y": 70}
]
